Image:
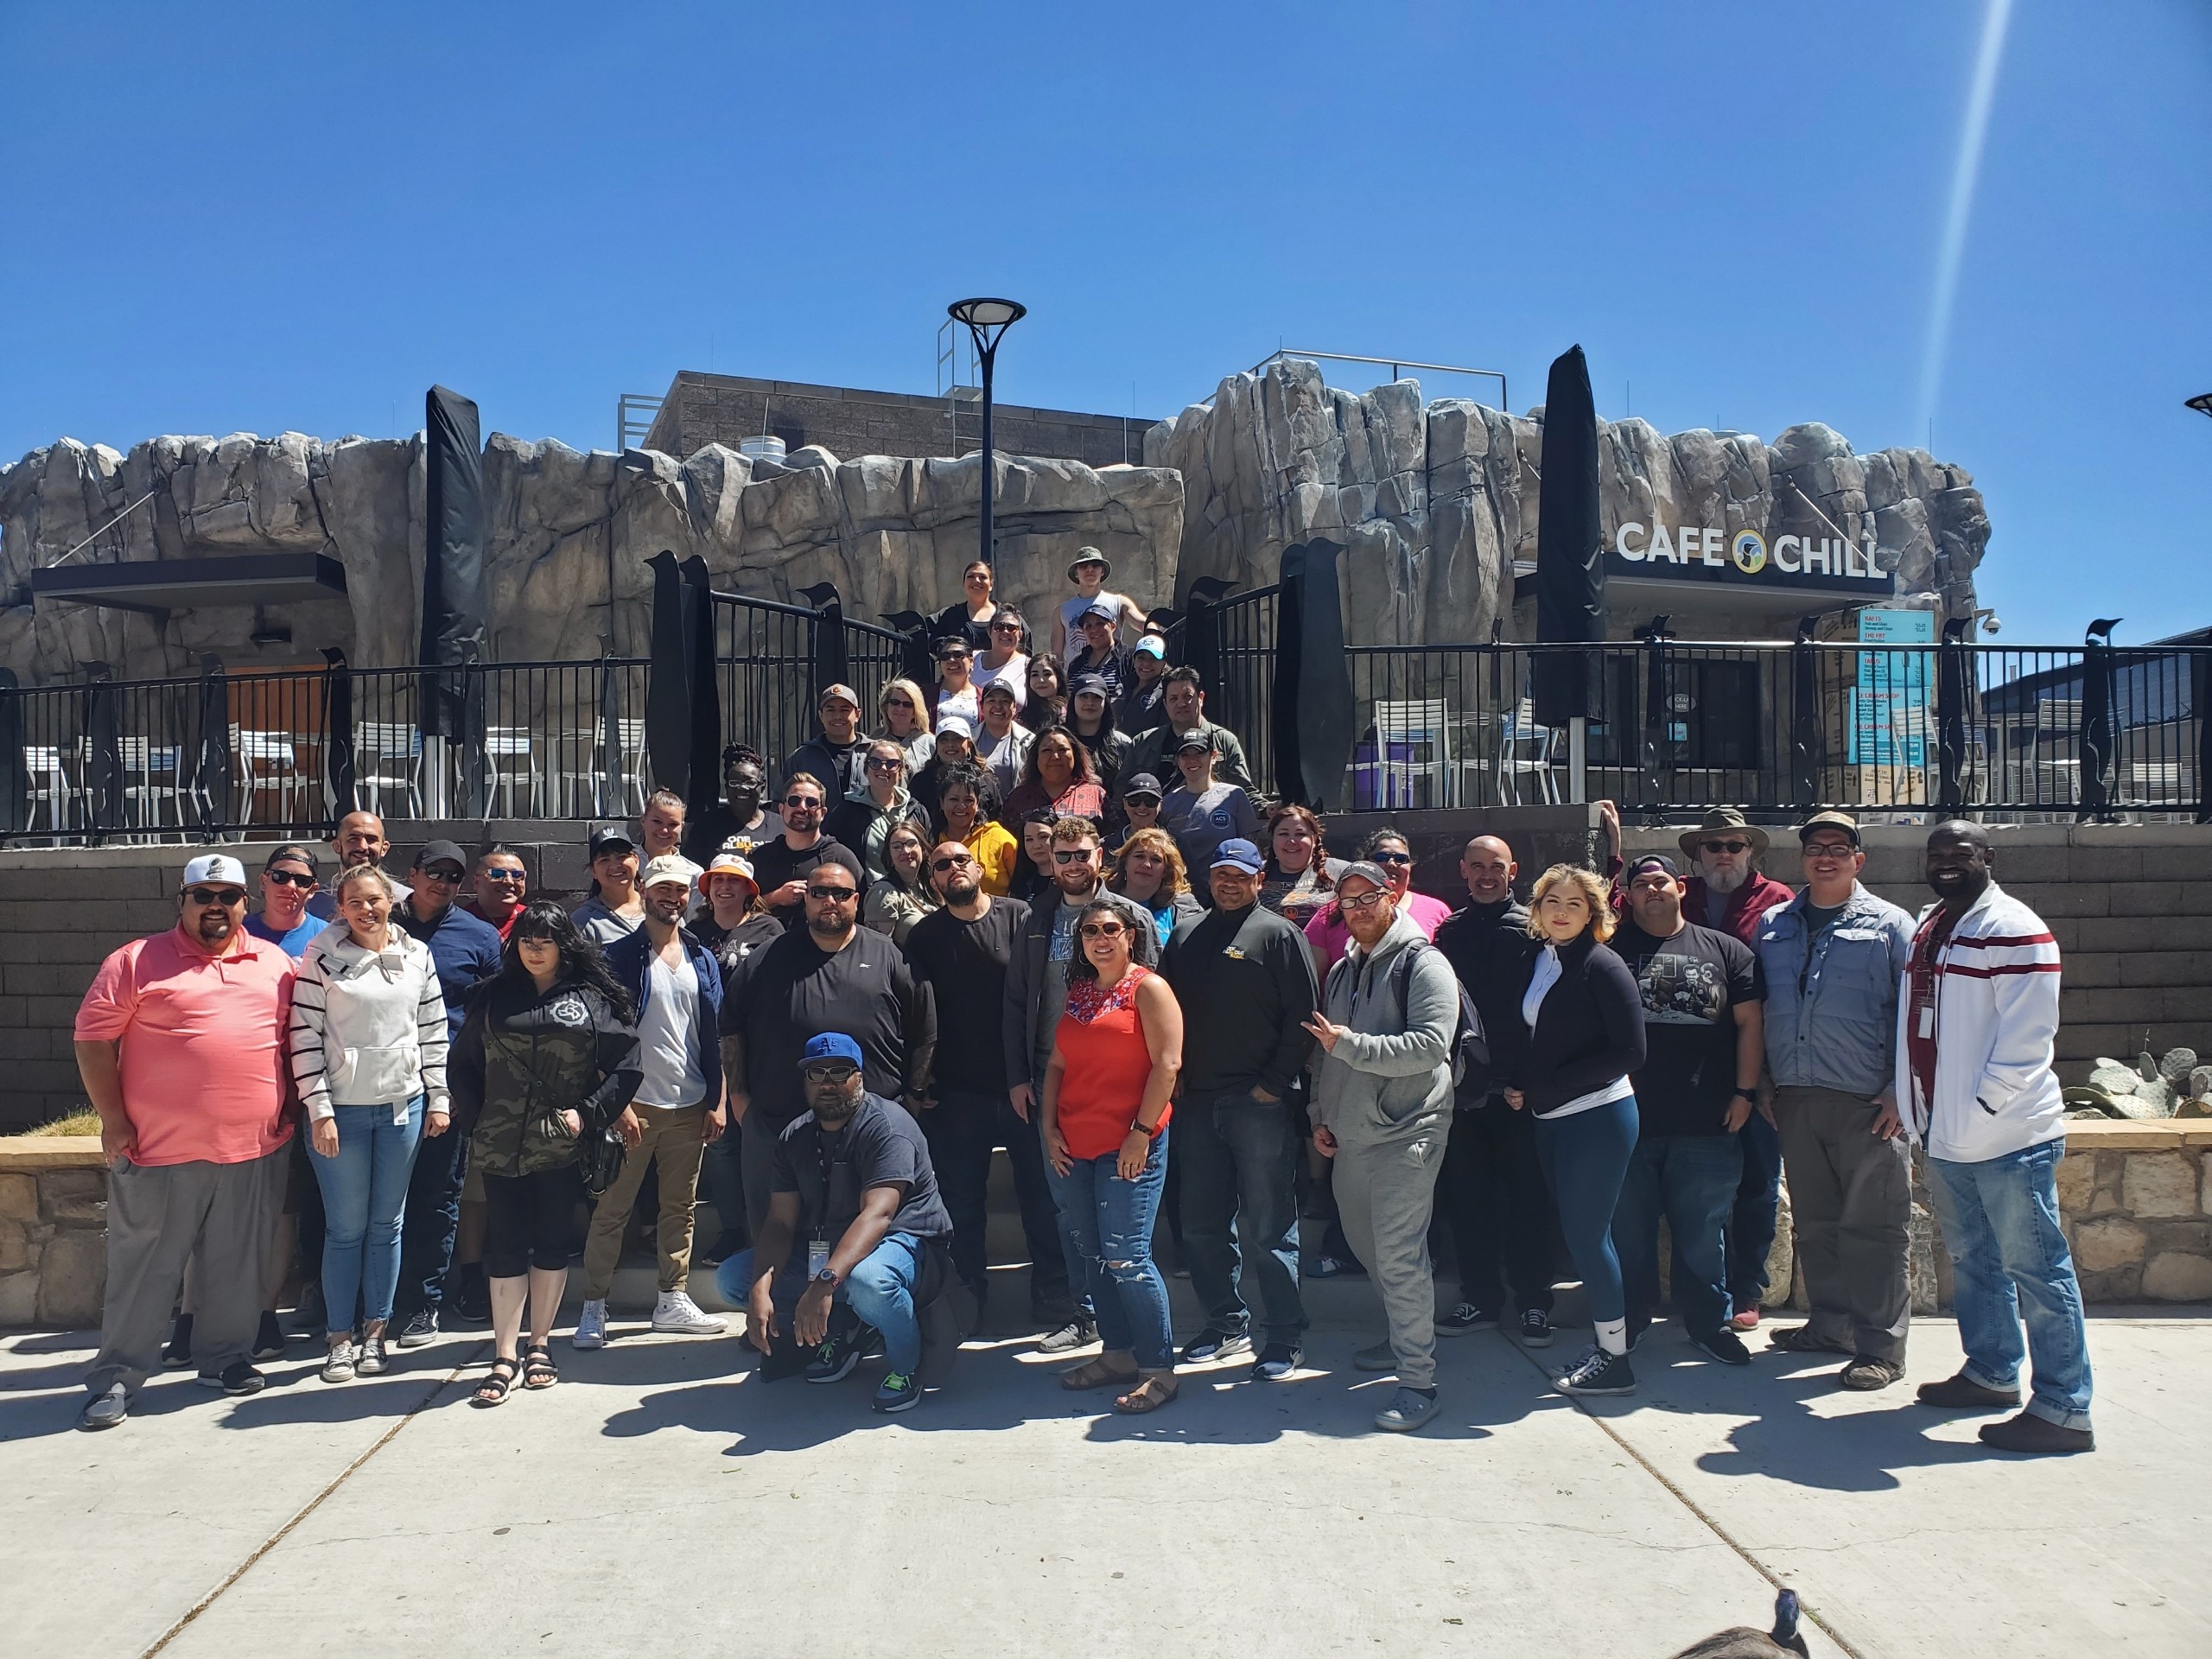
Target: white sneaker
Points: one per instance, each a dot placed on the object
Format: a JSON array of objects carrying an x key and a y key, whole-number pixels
[
  {"x": 591, "y": 1325},
  {"x": 676, "y": 1312}
]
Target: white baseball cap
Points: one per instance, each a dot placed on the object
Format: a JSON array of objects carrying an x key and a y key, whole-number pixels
[{"x": 213, "y": 866}]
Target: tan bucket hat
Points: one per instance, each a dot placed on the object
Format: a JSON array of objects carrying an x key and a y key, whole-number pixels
[{"x": 1718, "y": 820}]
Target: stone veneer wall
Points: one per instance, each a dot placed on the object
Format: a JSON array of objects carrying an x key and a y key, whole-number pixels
[{"x": 52, "y": 1231}]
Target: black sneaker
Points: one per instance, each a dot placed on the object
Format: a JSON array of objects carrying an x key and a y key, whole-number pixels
[
  {"x": 1079, "y": 1332},
  {"x": 178, "y": 1354},
  {"x": 1601, "y": 1373},
  {"x": 1724, "y": 1345},
  {"x": 839, "y": 1352},
  {"x": 1536, "y": 1328},
  {"x": 421, "y": 1330},
  {"x": 309, "y": 1315},
  {"x": 1467, "y": 1317},
  {"x": 1277, "y": 1361},
  {"x": 239, "y": 1378},
  {"x": 268, "y": 1341},
  {"x": 472, "y": 1300},
  {"x": 1214, "y": 1344}
]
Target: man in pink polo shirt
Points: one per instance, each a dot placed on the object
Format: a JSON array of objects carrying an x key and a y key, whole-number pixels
[{"x": 180, "y": 1045}]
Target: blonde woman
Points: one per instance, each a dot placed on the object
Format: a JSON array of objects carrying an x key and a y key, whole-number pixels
[
  {"x": 368, "y": 1047},
  {"x": 1585, "y": 1021},
  {"x": 905, "y": 715},
  {"x": 1149, "y": 869}
]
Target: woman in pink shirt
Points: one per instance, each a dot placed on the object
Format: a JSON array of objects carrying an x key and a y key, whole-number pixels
[{"x": 1389, "y": 850}]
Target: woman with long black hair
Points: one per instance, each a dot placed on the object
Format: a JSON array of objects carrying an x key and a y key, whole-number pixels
[{"x": 547, "y": 1060}]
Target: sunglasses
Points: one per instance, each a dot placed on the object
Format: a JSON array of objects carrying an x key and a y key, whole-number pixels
[
  {"x": 880, "y": 763},
  {"x": 290, "y": 879},
  {"x": 803, "y": 803},
  {"x": 1005, "y": 627},
  {"x": 832, "y": 1072},
  {"x": 1391, "y": 858},
  {"x": 903, "y": 702},
  {"x": 503, "y": 875},
  {"x": 226, "y": 897},
  {"x": 941, "y": 865},
  {"x": 834, "y": 895},
  {"x": 445, "y": 875},
  {"x": 1080, "y": 855},
  {"x": 1102, "y": 929},
  {"x": 1726, "y": 846}
]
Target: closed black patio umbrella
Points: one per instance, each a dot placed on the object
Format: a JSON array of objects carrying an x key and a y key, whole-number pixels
[{"x": 1570, "y": 557}]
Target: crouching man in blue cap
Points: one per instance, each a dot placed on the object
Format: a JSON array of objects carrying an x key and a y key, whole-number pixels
[{"x": 856, "y": 1240}]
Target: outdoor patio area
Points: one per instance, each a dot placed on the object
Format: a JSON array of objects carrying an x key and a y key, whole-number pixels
[{"x": 661, "y": 1500}]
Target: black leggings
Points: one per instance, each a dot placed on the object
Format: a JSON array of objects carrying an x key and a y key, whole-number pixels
[{"x": 530, "y": 1221}]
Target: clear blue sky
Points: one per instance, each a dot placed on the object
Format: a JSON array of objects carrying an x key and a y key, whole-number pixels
[{"x": 256, "y": 217}]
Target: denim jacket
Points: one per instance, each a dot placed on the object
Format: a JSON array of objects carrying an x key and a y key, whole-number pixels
[
  {"x": 1839, "y": 1031},
  {"x": 629, "y": 957}
]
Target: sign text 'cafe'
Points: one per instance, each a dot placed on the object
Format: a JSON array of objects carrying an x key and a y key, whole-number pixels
[{"x": 1697, "y": 547}]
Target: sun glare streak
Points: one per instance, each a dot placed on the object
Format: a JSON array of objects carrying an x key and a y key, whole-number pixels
[{"x": 1996, "y": 18}]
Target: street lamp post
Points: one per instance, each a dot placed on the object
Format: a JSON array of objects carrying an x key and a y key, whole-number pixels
[{"x": 987, "y": 321}]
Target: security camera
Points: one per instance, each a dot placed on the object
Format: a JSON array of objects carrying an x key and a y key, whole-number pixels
[{"x": 1992, "y": 625}]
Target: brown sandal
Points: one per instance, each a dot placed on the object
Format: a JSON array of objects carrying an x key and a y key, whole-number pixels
[
  {"x": 1097, "y": 1374},
  {"x": 1155, "y": 1391}
]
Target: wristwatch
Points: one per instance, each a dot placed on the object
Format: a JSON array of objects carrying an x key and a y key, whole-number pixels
[{"x": 827, "y": 1276}]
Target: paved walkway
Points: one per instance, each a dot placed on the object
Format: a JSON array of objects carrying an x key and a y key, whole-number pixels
[{"x": 662, "y": 1501}]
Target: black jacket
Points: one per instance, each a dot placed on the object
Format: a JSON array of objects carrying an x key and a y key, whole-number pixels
[
  {"x": 1589, "y": 1032},
  {"x": 1025, "y": 973},
  {"x": 1489, "y": 950},
  {"x": 522, "y": 1059},
  {"x": 839, "y": 770},
  {"x": 1245, "y": 980}
]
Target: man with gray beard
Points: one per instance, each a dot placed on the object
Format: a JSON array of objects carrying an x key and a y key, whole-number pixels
[{"x": 1727, "y": 893}]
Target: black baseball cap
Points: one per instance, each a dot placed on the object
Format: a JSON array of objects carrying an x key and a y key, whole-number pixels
[
  {"x": 610, "y": 838},
  {"x": 440, "y": 852},
  {"x": 1143, "y": 783}
]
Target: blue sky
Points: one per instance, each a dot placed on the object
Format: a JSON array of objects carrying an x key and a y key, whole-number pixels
[{"x": 262, "y": 218}]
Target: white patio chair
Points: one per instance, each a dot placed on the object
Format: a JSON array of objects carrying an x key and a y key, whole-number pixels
[
  {"x": 49, "y": 783},
  {"x": 1525, "y": 750},
  {"x": 1423, "y": 729},
  {"x": 511, "y": 752},
  {"x": 387, "y": 759},
  {"x": 151, "y": 775},
  {"x": 267, "y": 763}
]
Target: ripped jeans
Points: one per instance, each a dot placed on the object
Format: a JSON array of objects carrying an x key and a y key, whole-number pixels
[{"x": 1109, "y": 1222}]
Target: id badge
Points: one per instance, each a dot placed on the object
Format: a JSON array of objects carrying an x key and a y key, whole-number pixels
[
  {"x": 818, "y": 1257},
  {"x": 1927, "y": 1020}
]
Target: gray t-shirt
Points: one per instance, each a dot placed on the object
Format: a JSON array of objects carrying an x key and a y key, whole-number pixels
[
  {"x": 602, "y": 925},
  {"x": 1201, "y": 823},
  {"x": 1060, "y": 951},
  {"x": 668, "y": 1036},
  {"x": 1716, "y": 906}
]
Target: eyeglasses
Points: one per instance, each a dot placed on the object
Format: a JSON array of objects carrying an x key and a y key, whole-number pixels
[
  {"x": 290, "y": 879},
  {"x": 1079, "y": 856},
  {"x": 226, "y": 897},
  {"x": 803, "y": 803},
  {"x": 1364, "y": 903},
  {"x": 834, "y": 895},
  {"x": 1826, "y": 850},
  {"x": 1102, "y": 929},
  {"x": 883, "y": 763},
  {"x": 503, "y": 875},
  {"x": 941, "y": 865},
  {"x": 829, "y": 1071},
  {"x": 1726, "y": 846},
  {"x": 1390, "y": 858}
]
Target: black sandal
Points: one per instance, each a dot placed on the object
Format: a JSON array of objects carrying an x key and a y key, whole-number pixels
[
  {"x": 492, "y": 1390},
  {"x": 537, "y": 1367}
]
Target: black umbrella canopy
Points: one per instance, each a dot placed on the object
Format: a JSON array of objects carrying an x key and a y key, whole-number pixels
[{"x": 1570, "y": 547}]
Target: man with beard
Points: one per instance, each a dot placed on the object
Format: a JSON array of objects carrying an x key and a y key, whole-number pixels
[
  {"x": 961, "y": 951},
  {"x": 502, "y": 888},
  {"x": 1728, "y": 893},
  {"x": 831, "y": 975},
  {"x": 852, "y": 1177},
  {"x": 359, "y": 839},
  {"x": 740, "y": 815},
  {"x": 1037, "y": 994},
  {"x": 181, "y": 1046},
  {"x": 1975, "y": 1075}
]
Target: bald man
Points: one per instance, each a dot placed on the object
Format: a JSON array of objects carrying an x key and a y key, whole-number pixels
[
  {"x": 359, "y": 839},
  {"x": 1490, "y": 1187}
]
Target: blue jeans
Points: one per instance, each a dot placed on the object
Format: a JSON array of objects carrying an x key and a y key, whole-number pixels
[
  {"x": 363, "y": 1199},
  {"x": 1111, "y": 1220},
  {"x": 1239, "y": 1179},
  {"x": 2009, "y": 1262},
  {"x": 879, "y": 1292},
  {"x": 1751, "y": 1223},
  {"x": 1690, "y": 1179},
  {"x": 1586, "y": 1157}
]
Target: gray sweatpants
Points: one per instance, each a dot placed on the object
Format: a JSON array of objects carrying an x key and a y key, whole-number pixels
[
  {"x": 161, "y": 1217},
  {"x": 1851, "y": 1202},
  {"x": 1386, "y": 1192}
]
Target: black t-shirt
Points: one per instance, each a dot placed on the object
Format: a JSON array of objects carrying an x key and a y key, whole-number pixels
[
  {"x": 1690, "y": 986},
  {"x": 733, "y": 945},
  {"x": 881, "y": 1146},
  {"x": 779, "y": 998},
  {"x": 776, "y": 863},
  {"x": 964, "y": 963},
  {"x": 717, "y": 824},
  {"x": 953, "y": 622}
]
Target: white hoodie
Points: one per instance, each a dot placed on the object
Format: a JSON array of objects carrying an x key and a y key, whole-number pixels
[
  {"x": 1993, "y": 1023},
  {"x": 368, "y": 1026}
]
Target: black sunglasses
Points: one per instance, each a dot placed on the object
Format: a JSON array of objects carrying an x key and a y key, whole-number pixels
[
  {"x": 941, "y": 865},
  {"x": 1726, "y": 846},
  {"x": 444, "y": 873},
  {"x": 1391, "y": 858},
  {"x": 802, "y": 803},
  {"x": 224, "y": 896},
  {"x": 1080, "y": 855},
  {"x": 883, "y": 763},
  {"x": 290, "y": 879},
  {"x": 839, "y": 895}
]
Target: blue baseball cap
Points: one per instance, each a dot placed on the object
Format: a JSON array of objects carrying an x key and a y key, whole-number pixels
[
  {"x": 831, "y": 1045},
  {"x": 1238, "y": 854}
]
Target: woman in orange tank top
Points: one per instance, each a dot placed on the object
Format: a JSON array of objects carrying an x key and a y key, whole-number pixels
[{"x": 1105, "y": 1112}]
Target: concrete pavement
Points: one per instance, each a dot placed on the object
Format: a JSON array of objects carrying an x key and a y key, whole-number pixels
[{"x": 662, "y": 1500}]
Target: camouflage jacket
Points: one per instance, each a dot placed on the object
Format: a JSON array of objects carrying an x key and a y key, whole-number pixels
[{"x": 522, "y": 1059}]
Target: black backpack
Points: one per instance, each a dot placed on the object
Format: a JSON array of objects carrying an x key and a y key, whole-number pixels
[{"x": 1470, "y": 1045}]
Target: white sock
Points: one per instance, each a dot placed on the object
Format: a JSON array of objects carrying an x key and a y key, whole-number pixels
[{"x": 1612, "y": 1335}]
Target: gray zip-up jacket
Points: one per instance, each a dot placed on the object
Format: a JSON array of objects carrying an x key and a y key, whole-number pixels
[
  {"x": 1390, "y": 1077},
  {"x": 1832, "y": 1001}
]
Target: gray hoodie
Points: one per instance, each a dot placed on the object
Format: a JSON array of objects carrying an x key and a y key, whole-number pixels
[{"x": 1390, "y": 1077}]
